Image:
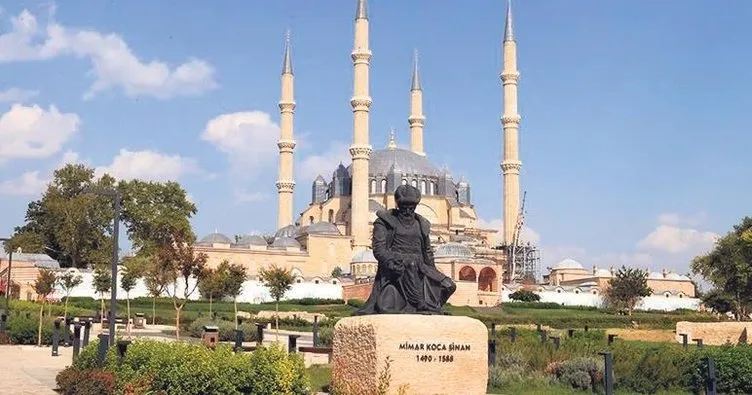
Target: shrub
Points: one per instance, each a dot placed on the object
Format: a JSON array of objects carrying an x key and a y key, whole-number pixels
[
  {"x": 180, "y": 368},
  {"x": 525, "y": 295},
  {"x": 357, "y": 303},
  {"x": 73, "y": 381},
  {"x": 580, "y": 373},
  {"x": 326, "y": 335},
  {"x": 655, "y": 368},
  {"x": 226, "y": 329},
  {"x": 733, "y": 367},
  {"x": 22, "y": 328}
]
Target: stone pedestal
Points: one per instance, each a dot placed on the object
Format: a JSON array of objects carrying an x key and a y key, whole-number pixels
[{"x": 411, "y": 354}]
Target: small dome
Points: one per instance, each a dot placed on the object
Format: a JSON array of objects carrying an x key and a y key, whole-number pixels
[
  {"x": 285, "y": 242},
  {"x": 364, "y": 257},
  {"x": 568, "y": 263},
  {"x": 676, "y": 277},
  {"x": 453, "y": 250},
  {"x": 322, "y": 228},
  {"x": 251, "y": 240},
  {"x": 290, "y": 231},
  {"x": 602, "y": 273},
  {"x": 655, "y": 276},
  {"x": 216, "y": 238}
]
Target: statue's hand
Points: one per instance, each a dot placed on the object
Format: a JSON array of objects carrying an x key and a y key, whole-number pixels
[{"x": 396, "y": 267}]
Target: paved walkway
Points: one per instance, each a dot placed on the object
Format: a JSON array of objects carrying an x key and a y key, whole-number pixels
[{"x": 31, "y": 370}]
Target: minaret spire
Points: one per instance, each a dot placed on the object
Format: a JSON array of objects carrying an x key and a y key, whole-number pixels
[
  {"x": 510, "y": 121},
  {"x": 287, "y": 61},
  {"x": 360, "y": 150},
  {"x": 285, "y": 181},
  {"x": 416, "y": 120},
  {"x": 392, "y": 140},
  {"x": 508, "y": 29}
]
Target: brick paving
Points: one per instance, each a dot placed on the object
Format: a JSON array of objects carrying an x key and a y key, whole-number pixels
[{"x": 31, "y": 370}]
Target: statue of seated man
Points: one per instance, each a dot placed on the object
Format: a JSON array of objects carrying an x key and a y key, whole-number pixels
[{"x": 407, "y": 280}]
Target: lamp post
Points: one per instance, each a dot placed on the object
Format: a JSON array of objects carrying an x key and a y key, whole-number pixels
[
  {"x": 7, "y": 285},
  {"x": 115, "y": 250}
]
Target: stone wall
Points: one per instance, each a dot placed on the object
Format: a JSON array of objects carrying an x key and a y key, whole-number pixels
[{"x": 714, "y": 333}]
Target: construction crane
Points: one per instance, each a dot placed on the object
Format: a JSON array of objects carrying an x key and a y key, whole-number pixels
[{"x": 516, "y": 240}]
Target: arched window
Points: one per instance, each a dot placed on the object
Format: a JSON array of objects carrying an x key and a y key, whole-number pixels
[
  {"x": 331, "y": 216},
  {"x": 310, "y": 219},
  {"x": 383, "y": 186},
  {"x": 404, "y": 181},
  {"x": 414, "y": 183},
  {"x": 431, "y": 188},
  {"x": 373, "y": 186},
  {"x": 423, "y": 187}
]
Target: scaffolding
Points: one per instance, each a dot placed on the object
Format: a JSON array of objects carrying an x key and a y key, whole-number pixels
[{"x": 523, "y": 259}]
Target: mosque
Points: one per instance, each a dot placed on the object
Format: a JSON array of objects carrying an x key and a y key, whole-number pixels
[{"x": 334, "y": 230}]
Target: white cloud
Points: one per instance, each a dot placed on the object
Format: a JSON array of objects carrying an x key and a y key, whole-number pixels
[
  {"x": 148, "y": 165},
  {"x": 685, "y": 220},
  {"x": 324, "y": 164},
  {"x": 16, "y": 95},
  {"x": 29, "y": 183},
  {"x": 248, "y": 138},
  {"x": 68, "y": 158},
  {"x": 674, "y": 240},
  {"x": 526, "y": 234},
  {"x": 113, "y": 62},
  {"x": 243, "y": 196},
  {"x": 33, "y": 132}
]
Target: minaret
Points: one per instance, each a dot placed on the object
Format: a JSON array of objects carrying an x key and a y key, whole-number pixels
[
  {"x": 286, "y": 144},
  {"x": 360, "y": 150},
  {"x": 416, "y": 119},
  {"x": 510, "y": 120}
]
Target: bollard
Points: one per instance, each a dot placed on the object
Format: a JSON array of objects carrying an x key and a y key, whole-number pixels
[
  {"x": 543, "y": 336},
  {"x": 214, "y": 315},
  {"x": 684, "y": 340},
  {"x": 570, "y": 333},
  {"x": 557, "y": 342},
  {"x": 699, "y": 342},
  {"x": 238, "y": 340},
  {"x": 259, "y": 333},
  {"x": 586, "y": 328},
  {"x": 315, "y": 330},
  {"x": 76, "y": 339},
  {"x": 104, "y": 341},
  {"x": 513, "y": 333},
  {"x": 3, "y": 319},
  {"x": 611, "y": 338},
  {"x": 608, "y": 376},
  {"x": 122, "y": 347},
  {"x": 710, "y": 385},
  {"x": 492, "y": 352},
  {"x": 493, "y": 329},
  {"x": 292, "y": 343},
  {"x": 56, "y": 339},
  {"x": 240, "y": 320},
  {"x": 67, "y": 341},
  {"x": 87, "y": 332}
]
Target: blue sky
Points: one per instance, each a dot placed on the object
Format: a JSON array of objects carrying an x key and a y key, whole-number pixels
[{"x": 634, "y": 114}]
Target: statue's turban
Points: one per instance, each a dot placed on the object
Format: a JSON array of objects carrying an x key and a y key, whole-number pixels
[{"x": 407, "y": 195}]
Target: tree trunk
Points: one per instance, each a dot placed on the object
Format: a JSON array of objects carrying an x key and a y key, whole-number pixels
[
  {"x": 101, "y": 299},
  {"x": 235, "y": 303},
  {"x": 39, "y": 331},
  {"x": 128, "y": 313},
  {"x": 153, "y": 310},
  {"x": 276, "y": 321},
  {"x": 65, "y": 309},
  {"x": 49, "y": 310},
  {"x": 210, "y": 305},
  {"x": 177, "y": 322}
]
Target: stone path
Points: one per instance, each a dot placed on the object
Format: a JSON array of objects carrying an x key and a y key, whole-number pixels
[{"x": 31, "y": 370}]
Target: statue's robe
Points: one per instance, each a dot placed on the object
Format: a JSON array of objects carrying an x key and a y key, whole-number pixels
[{"x": 420, "y": 288}]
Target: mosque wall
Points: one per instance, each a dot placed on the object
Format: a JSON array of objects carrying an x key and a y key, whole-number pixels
[{"x": 589, "y": 299}]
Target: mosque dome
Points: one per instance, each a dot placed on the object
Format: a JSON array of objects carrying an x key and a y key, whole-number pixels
[
  {"x": 364, "y": 257},
  {"x": 285, "y": 242},
  {"x": 602, "y": 273},
  {"x": 289, "y": 231},
  {"x": 568, "y": 263},
  {"x": 404, "y": 162},
  {"x": 655, "y": 276},
  {"x": 322, "y": 228},
  {"x": 251, "y": 240},
  {"x": 217, "y": 238},
  {"x": 453, "y": 250},
  {"x": 676, "y": 277}
]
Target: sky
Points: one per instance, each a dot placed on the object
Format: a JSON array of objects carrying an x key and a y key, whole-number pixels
[{"x": 634, "y": 136}]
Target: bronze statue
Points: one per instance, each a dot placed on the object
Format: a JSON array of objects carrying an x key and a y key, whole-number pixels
[{"x": 407, "y": 280}]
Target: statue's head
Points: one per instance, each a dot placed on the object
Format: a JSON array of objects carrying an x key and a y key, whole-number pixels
[{"x": 407, "y": 198}]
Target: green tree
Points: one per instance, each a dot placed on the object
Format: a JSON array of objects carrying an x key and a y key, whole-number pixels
[
  {"x": 211, "y": 286},
  {"x": 180, "y": 264},
  {"x": 233, "y": 276},
  {"x": 337, "y": 272},
  {"x": 718, "y": 301},
  {"x": 43, "y": 286},
  {"x": 155, "y": 280},
  {"x": 133, "y": 269},
  {"x": 279, "y": 280},
  {"x": 102, "y": 282},
  {"x": 524, "y": 295},
  {"x": 71, "y": 226},
  {"x": 729, "y": 266},
  {"x": 68, "y": 281},
  {"x": 628, "y": 286}
]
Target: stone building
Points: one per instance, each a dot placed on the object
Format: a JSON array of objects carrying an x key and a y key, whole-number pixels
[
  {"x": 23, "y": 271},
  {"x": 334, "y": 229}
]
